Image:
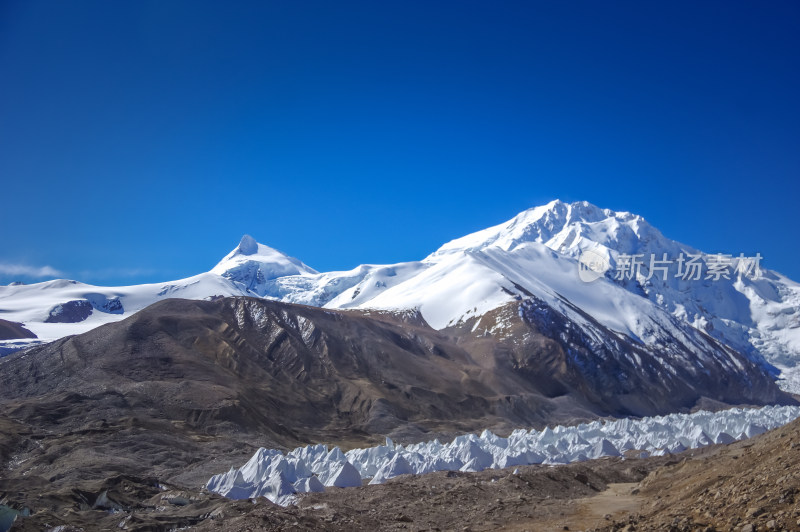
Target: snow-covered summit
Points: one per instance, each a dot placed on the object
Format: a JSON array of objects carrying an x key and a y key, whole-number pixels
[
  {"x": 565, "y": 227},
  {"x": 251, "y": 266},
  {"x": 758, "y": 315}
]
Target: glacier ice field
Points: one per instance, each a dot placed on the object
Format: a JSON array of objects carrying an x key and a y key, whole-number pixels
[{"x": 279, "y": 477}]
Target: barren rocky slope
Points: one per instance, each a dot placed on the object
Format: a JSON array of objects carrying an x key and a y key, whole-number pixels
[{"x": 185, "y": 389}]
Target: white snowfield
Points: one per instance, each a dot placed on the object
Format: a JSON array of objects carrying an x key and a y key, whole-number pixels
[
  {"x": 279, "y": 477},
  {"x": 536, "y": 252}
]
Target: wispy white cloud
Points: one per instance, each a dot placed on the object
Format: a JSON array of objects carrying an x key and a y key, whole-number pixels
[
  {"x": 117, "y": 273},
  {"x": 29, "y": 271}
]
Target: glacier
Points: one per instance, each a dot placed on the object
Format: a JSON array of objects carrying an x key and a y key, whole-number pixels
[{"x": 279, "y": 477}]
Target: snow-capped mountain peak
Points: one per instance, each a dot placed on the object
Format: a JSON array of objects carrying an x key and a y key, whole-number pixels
[
  {"x": 534, "y": 255},
  {"x": 564, "y": 227},
  {"x": 252, "y": 265}
]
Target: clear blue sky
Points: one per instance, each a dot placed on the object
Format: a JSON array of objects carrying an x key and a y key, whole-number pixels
[{"x": 140, "y": 140}]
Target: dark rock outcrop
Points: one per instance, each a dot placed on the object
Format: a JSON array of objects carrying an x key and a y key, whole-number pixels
[
  {"x": 11, "y": 330},
  {"x": 70, "y": 312}
]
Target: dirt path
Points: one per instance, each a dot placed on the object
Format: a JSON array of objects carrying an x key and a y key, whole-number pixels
[
  {"x": 617, "y": 500},
  {"x": 581, "y": 514}
]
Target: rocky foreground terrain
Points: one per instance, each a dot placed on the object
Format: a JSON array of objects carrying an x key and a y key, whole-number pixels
[{"x": 748, "y": 486}]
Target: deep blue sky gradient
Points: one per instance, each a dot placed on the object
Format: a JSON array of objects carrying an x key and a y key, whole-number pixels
[{"x": 140, "y": 140}]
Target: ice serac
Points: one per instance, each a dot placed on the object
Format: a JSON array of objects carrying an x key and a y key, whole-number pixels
[
  {"x": 397, "y": 466},
  {"x": 309, "y": 485},
  {"x": 658, "y": 436},
  {"x": 342, "y": 475}
]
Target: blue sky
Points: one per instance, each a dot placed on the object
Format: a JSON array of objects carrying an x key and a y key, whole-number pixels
[{"x": 140, "y": 140}]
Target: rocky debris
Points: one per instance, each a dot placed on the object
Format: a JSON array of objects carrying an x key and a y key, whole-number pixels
[
  {"x": 751, "y": 485},
  {"x": 451, "y": 500},
  {"x": 440, "y": 500},
  {"x": 120, "y": 502}
]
